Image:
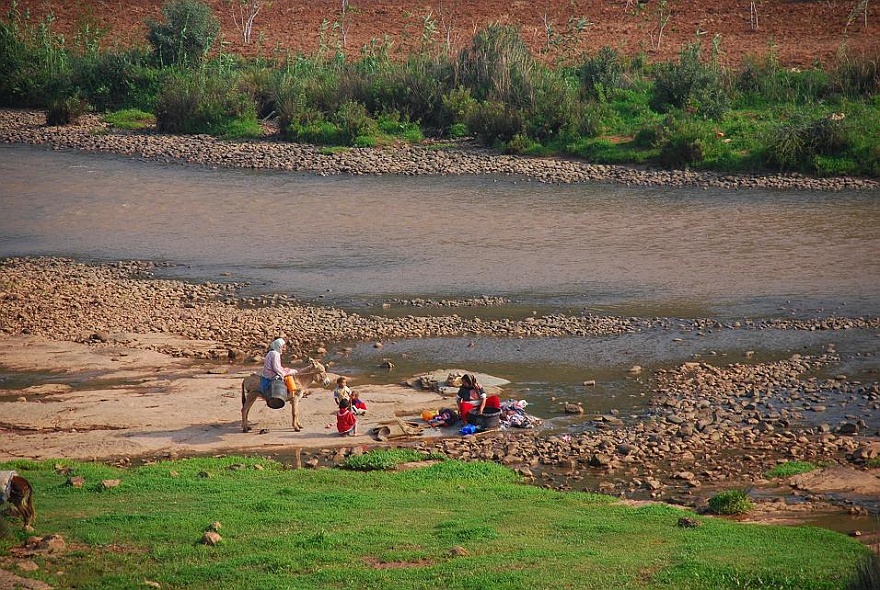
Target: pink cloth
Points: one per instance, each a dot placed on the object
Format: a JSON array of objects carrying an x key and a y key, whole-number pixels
[{"x": 272, "y": 366}]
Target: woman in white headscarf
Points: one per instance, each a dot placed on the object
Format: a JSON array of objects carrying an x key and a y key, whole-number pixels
[{"x": 272, "y": 367}]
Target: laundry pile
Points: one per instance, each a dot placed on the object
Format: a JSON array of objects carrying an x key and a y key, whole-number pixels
[{"x": 513, "y": 415}]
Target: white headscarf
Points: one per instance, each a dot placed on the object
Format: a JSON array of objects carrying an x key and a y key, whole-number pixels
[{"x": 277, "y": 344}]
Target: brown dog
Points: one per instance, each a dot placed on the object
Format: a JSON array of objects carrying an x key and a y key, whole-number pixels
[{"x": 18, "y": 491}]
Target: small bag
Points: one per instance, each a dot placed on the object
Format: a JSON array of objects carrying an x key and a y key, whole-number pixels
[{"x": 277, "y": 394}]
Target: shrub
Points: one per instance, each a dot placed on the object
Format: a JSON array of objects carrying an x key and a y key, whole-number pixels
[
  {"x": 764, "y": 82},
  {"x": 353, "y": 121},
  {"x": 458, "y": 106},
  {"x": 494, "y": 122},
  {"x": 730, "y": 502},
  {"x": 857, "y": 77},
  {"x": 498, "y": 67},
  {"x": 196, "y": 103},
  {"x": 117, "y": 79},
  {"x": 65, "y": 111},
  {"x": 557, "y": 112},
  {"x": 795, "y": 145},
  {"x": 186, "y": 35},
  {"x": 601, "y": 74},
  {"x": 32, "y": 60},
  {"x": 689, "y": 85},
  {"x": 458, "y": 130}
]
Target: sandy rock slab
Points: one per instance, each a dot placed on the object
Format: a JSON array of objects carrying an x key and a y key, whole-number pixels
[{"x": 129, "y": 401}]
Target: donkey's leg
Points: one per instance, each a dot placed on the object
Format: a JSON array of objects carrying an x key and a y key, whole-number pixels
[
  {"x": 248, "y": 402},
  {"x": 294, "y": 411}
]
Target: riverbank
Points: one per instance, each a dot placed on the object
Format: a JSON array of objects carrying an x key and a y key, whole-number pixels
[
  {"x": 115, "y": 364},
  {"x": 90, "y": 134}
]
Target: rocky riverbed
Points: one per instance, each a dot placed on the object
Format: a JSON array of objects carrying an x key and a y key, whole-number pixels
[
  {"x": 92, "y": 135},
  {"x": 708, "y": 426}
]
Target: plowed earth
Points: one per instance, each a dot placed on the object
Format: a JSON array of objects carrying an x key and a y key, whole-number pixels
[{"x": 798, "y": 33}]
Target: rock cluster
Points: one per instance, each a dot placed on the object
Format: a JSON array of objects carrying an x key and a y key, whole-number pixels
[{"x": 28, "y": 127}]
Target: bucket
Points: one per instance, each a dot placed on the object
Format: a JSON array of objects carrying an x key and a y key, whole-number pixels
[
  {"x": 277, "y": 394},
  {"x": 490, "y": 418},
  {"x": 290, "y": 384}
]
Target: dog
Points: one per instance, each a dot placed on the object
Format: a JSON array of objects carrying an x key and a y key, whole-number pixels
[{"x": 18, "y": 491}]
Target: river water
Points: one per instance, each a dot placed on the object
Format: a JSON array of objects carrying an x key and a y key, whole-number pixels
[{"x": 356, "y": 242}]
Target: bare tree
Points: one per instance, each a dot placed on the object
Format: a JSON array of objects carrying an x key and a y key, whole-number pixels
[
  {"x": 244, "y": 18},
  {"x": 663, "y": 14},
  {"x": 861, "y": 8}
]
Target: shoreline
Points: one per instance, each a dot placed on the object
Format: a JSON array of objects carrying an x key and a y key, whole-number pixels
[{"x": 90, "y": 134}]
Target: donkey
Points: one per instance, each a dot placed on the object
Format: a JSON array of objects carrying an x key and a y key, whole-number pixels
[
  {"x": 250, "y": 391},
  {"x": 18, "y": 491}
]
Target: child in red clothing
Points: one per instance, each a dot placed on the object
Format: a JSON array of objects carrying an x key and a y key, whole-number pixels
[{"x": 346, "y": 420}]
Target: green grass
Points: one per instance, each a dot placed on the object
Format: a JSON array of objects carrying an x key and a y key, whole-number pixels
[
  {"x": 730, "y": 502},
  {"x": 790, "y": 468},
  {"x": 338, "y": 528},
  {"x": 132, "y": 119}
]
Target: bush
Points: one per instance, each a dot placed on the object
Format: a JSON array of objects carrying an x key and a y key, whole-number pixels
[
  {"x": 557, "y": 111},
  {"x": 117, "y": 79},
  {"x": 764, "y": 82},
  {"x": 494, "y": 122},
  {"x": 498, "y": 67},
  {"x": 186, "y": 35},
  {"x": 458, "y": 106},
  {"x": 353, "y": 122},
  {"x": 857, "y": 77},
  {"x": 730, "y": 502},
  {"x": 196, "y": 103},
  {"x": 601, "y": 74},
  {"x": 795, "y": 145},
  {"x": 689, "y": 85},
  {"x": 65, "y": 111}
]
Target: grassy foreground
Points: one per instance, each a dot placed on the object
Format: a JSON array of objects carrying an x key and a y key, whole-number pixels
[{"x": 336, "y": 528}]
